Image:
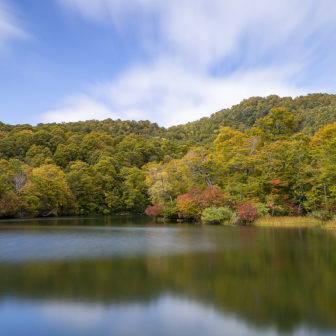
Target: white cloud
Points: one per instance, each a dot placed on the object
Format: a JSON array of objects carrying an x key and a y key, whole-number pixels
[
  {"x": 78, "y": 315},
  {"x": 170, "y": 95},
  {"x": 9, "y": 28},
  {"x": 207, "y": 31},
  {"x": 127, "y": 318},
  {"x": 260, "y": 47},
  {"x": 79, "y": 107}
]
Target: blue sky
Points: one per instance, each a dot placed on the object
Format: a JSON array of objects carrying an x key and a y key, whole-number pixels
[{"x": 165, "y": 61}]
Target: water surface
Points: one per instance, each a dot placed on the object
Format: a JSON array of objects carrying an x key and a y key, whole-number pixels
[{"x": 127, "y": 276}]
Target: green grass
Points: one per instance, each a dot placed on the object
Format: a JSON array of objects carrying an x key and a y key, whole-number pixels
[{"x": 289, "y": 222}]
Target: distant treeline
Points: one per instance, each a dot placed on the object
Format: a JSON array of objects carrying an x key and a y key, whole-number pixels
[{"x": 273, "y": 155}]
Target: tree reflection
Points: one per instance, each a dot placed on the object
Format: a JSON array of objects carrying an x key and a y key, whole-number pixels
[{"x": 277, "y": 278}]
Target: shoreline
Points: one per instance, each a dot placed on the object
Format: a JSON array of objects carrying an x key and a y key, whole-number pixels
[{"x": 268, "y": 221}]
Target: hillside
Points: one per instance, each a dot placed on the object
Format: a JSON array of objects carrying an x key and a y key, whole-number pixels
[
  {"x": 112, "y": 165},
  {"x": 312, "y": 111}
]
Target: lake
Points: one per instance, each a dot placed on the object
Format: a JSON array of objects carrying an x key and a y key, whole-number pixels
[{"x": 128, "y": 276}]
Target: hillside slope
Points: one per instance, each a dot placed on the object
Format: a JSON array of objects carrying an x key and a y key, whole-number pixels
[
  {"x": 113, "y": 166},
  {"x": 312, "y": 111}
]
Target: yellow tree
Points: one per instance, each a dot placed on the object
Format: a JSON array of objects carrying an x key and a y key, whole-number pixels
[
  {"x": 48, "y": 183},
  {"x": 277, "y": 124},
  {"x": 234, "y": 157},
  {"x": 323, "y": 150},
  {"x": 157, "y": 180}
]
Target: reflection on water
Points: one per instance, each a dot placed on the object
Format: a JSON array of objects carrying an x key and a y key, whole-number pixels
[
  {"x": 166, "y": 316},
  {"x": 69, "y": 278},
  {"x": 82, "y": 242}
]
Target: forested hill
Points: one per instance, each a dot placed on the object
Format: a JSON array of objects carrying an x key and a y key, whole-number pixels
[
  {"x": 312, "y": 112},
  {"x": 276, "y": 153}
]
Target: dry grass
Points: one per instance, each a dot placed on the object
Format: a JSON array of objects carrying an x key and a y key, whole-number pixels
[
  {"x": 330, "y": 224},
  {"x": 289, "y": 222}
]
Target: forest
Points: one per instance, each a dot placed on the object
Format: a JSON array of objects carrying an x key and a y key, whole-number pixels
[{"x": 263, "y": 157}]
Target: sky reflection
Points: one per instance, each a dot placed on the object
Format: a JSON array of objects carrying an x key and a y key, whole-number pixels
[{"x": 168, "y": 315}]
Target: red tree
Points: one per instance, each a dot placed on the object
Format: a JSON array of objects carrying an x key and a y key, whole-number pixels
[
  {"x": 154, "y": 210},
  {"x": 211, "y": 197},
  {"x": 192, "y": 203},
  {"x": 247, "y": 212}
]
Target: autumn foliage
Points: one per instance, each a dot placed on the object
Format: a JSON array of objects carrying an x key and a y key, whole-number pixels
[
  {"x": 275, "y": 154},
  {"x": 191, "y": 204},
  {"x": 247, "y": 212},
  {"x": 154, "y": 210}
]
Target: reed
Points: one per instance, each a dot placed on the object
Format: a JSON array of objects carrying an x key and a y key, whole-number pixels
[
  {"x": 330, "y": 224},
  {"x": 288, "y": 222}
]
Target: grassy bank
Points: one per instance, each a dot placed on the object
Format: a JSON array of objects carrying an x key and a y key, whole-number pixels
[
  {"x": 290, "y": 222},
  {"x": 329, "y": 225}
]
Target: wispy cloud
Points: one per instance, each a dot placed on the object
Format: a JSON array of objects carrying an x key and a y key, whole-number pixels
[
  {"x": 208, "y": 31},
  {"x": 9, "y": 27},
  {"x": 203, "y": 55},
  {"x": 169, "y": 94},
  {"x": 78, "y": 107}
]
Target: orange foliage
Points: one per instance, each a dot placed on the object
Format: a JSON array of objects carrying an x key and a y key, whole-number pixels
[{"x": 154, "y": 210}]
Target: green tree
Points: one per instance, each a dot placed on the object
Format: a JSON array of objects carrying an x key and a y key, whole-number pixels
[
  {"x": 134, "y": 190},
  {"x": 322, "y": 169},
  {"x": 48, "y": 183},
  {"x": 107, "y": 177},
  {"x": 278, "y": 123},
  {"x": 80, "y": 179},
  {"x": 66, "y": 153},
  {"x": 38, "y": 155}
]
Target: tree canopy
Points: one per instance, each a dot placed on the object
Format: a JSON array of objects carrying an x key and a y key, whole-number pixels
[{"x": 276, "y": 154}]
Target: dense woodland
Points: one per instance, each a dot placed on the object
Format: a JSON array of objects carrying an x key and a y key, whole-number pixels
[{"x": 265, "y": 156}]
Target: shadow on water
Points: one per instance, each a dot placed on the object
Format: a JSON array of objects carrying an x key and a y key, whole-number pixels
[
  {"x": 124, "y": 220},
  {"x": 268, "y": 280}
]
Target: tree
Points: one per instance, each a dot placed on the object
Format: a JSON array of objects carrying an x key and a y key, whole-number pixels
[
  {"x": 79, "y": 177},
  {"x": 188, "y": 206},
  {"x": 198, "y": 168},
  {"x": 322, "y": 169},
  {"x": 48, "y": 183},
  {"x": 154, "y": 210},
  {"x": 11, "y": 204},
  {"x": 191, "y": 204},
  {"x": 158, "y": 182},
  {"x": 107, "y": 177},
  {"x": 38, "y": 155},
  {"x": 134, "y": 190},
  {"x": 236, "y": 159},
  {"x": 247, "y": 212},
  {"x": 94, "y": 144},
  {"x": 66, "y": 153},
  {"x": 278, "y": 123}
]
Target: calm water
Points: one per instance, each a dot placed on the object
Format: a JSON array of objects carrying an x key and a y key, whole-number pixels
[{"x": 124, "y": 276}]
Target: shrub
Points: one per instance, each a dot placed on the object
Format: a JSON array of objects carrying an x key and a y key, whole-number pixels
[
  {"x": 188, "y": 207},
  {"x": 31, "y": 204},
  {"x": 191, "y": 204},
  {"x": 10, "y": 204},
  {"x": 321, "y": 215},
  {"x": 106, "y": 212},
  {"x": 170, "y": 210},
  {"x": 247, "y": 212},
  {"x": 154, "y": 210},
  {"x": 262, "y": 209},
  {"x": 210, "y": 197},
  {"x": 216, "y": 215}
]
